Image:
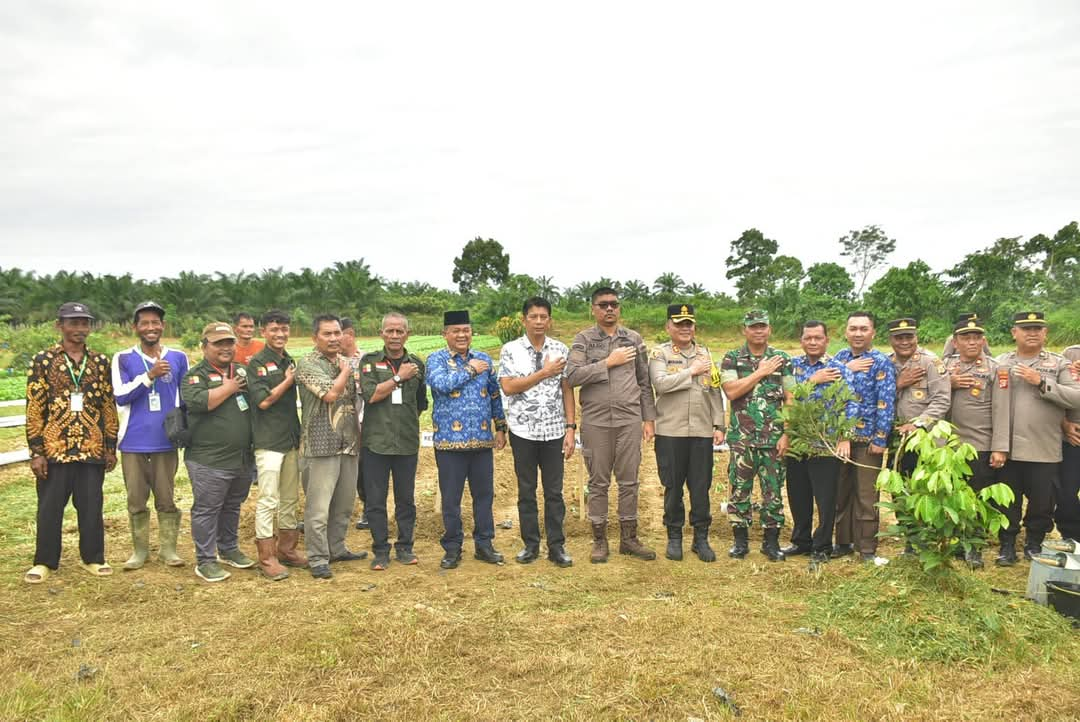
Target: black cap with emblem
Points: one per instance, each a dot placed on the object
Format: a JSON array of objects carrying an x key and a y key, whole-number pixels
[
  {"x": 903, "y": 325},
  {"x": 680, "y": 312},
  {"x": 148, "y": 306},
  {"x": 968, "y": 323},
  {"x": 1029, "y": 318}
]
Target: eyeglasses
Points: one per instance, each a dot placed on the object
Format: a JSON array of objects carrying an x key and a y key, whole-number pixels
[{"x": 607, "y": 304}]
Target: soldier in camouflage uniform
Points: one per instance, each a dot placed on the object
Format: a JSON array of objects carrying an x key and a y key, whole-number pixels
[{"x": 757, "y": 380}]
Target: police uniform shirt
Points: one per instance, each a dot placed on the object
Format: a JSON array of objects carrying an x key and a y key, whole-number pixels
[
  {"x": 927, "y": 399},
  {"x": 685, "y": 405},
  {"x": 972, "y": 409},
  {"x": 1036, "y": 412},
  {"x": 611, "y": 397}
]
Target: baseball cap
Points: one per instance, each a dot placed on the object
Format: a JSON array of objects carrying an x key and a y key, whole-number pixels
[
  {"x": 217, "y": 331},
  {"x": 73, "y": 309}
]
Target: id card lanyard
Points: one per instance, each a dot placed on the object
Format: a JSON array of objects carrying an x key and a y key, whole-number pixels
[
  {"x": 396, "y": 397},
  {"x": 153, "y": 398},
  {"x": 76, "y": 395}
]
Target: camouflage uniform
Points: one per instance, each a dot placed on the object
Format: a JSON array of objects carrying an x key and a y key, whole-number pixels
[{"x": 753, "y": 433}]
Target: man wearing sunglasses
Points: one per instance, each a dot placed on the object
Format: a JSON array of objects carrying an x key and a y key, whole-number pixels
[
  {"x": 540, "y": 413},
  {"x": 610, "y": 364}
]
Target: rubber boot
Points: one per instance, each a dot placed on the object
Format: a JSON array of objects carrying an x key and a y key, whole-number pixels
[
  {"x": 1007, "y": 552},
  {"x": 674, "y": 544},
  {"x": 770, "y": 545},
  {"x": 741, "y": 547},
  {"x": 168, "y": 530},
  {"x": 701, "y": 544},
  {"x": 140, "y": 540},
  {"x": 268, "y": 561},
  {"x": 630, "y": 544},
  {"x": 599, "y": 552},
  {"x": 286, "y": 549}
]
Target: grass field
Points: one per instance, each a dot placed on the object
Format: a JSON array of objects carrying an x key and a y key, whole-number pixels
[{"x": 625, "y": 640}]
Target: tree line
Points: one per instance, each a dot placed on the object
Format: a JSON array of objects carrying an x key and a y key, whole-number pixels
[{"x": 1011, "y": 274}]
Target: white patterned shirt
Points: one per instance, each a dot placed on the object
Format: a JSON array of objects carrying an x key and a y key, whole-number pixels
[{"x": 536, "y": 414}]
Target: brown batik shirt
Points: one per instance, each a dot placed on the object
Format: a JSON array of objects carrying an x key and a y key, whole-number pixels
[{"x": 53, "y": 429}]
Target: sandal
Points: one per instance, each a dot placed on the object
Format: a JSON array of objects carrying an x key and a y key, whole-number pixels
[
  {"x": 98, "y": 570},
  {"x": 36, "y": 574}
]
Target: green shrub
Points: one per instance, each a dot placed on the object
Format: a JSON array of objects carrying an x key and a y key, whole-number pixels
[{"x": 508, "y": 328}]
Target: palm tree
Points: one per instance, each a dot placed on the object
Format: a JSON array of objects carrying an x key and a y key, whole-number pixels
[
  {"x": 695, "y": 290},
  {"x": 636, "y": 290},
  {"x": 667, "y": 285}
]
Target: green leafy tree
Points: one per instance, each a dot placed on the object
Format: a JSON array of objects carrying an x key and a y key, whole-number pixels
[
  {"x": 937, "y": 512},
  {"x": 994, "y": 283},
  {"x": 830, "y": 280},
  {"x": 748, "y": 264},
  {"x": 913, "y": 290},
  {"x": 482, "y": 262},
  {"x": 868, "y": 250},
  {"x": 1058, "y": 263},
  {"x": 635, "y": 290}
]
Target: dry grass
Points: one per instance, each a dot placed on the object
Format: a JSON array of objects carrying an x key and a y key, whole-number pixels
[{"x": 625, "y": 640}]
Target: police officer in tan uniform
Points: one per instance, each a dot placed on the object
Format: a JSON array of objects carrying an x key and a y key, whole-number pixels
[
  {"x": 973, "y": 375},
  {"x": 1041, "y": 388},
  {"x": 610, "y": 364},
  {"x": 1067, "y": 513},
  {"x": 922, "y": 387},
  {"x": 689, "y": 421}
]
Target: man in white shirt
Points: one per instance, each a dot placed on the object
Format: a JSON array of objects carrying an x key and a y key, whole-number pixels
[{"x": 540, "y": 414}]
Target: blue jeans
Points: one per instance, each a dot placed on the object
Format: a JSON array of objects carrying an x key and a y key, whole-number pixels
[{"x": 455, "y": 467}]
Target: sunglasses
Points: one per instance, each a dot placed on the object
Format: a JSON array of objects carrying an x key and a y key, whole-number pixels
[{"x": 607, "y": 304}]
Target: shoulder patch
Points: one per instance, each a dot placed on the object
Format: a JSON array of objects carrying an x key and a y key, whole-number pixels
[{"x": 192, "y": 380}]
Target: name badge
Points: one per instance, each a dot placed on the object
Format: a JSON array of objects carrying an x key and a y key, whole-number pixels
[
  {"x": 395, "y": 396},
  {"x": 76, "y": 402},
  {"x": 241, "y": 401},
  {"x": 155, "y": 401}
]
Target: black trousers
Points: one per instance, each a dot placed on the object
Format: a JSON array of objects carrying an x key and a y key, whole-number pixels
[
  {"x": 81, "y": 482},
  {"x": 1067, "y": 514},
  {"x": 477, "y": 467},
  {"x": 377, "y": 469},
  {"x": 685, "y": 460},
  {"x": 360, "y": 490},
  {"x": 982, "y": 474},
  {"x": 1035, "y": 480},
  {"x": 547, "y": 456},
  {"x": 809, "y": 481}
]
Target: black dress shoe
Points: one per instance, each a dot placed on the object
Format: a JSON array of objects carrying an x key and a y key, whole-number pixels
[
  {"x": 528, "y": 555},
  {"x": 842, "y": 550},
  {"x": 362, "y": 522},
  {"x": 794, "y": 550},
  {"x": 820, "y": 557},
  {"x": 559, "y": 556},
  {"x": 488, "y": 554},
  {"x": 349, "y": 556},
  {"x": 451, "y": 560}
]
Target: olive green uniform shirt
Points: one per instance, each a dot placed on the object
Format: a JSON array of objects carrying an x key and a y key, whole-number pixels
[
  {"x": 278, "y": 427},
  {"x": 220, "y": 439},
  {"x": 391, "y": 428},
  {"x": 685, "y": 405},
  {"x": 1035, "y": 413},
  {"x": 972, "y": 409},
  {"x": 928, "y": 400}
]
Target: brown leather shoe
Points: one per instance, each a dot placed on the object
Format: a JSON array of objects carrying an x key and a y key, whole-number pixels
[
  {"x": 599, "y": 552},
  {"x": 286, "y": 548},
  {"x": 630, "y": 544},
  {"x": 268, "y": 562}
]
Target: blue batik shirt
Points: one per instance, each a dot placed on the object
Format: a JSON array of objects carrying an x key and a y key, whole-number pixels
[
  {"x": 804, "y": 370},
  {"x": 466, "y": 407},
  {"x": 875, "y": 394}
]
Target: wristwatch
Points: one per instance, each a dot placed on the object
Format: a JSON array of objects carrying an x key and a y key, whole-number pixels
[
  {"x": 571, "y": 426},
  {"x": 397, "y": 380}
]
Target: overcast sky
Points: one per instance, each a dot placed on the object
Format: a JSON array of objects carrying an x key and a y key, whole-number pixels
[{"x": 619, "y": 139}]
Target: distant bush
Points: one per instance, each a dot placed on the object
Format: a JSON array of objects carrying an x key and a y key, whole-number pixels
[{"x": 508, "y": 328}]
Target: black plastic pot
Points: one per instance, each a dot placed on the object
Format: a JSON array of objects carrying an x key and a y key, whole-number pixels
[{"x": 1065, "y": 598}]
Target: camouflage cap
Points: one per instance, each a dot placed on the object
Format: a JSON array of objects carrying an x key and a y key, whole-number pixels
[{"x": 755, "y": 316}]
